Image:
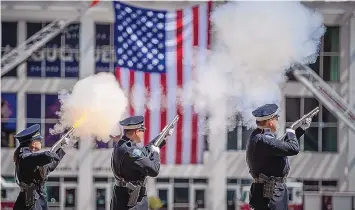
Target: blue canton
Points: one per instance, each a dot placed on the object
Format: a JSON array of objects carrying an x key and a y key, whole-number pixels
[{"x": 140, "y": 38}]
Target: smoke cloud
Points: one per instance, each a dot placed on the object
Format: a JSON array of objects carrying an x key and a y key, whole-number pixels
[
  {"x": 254, "y": 44},
  {"x": 98, "y": 102}
]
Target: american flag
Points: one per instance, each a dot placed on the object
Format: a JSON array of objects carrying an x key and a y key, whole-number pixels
[{"x": 154, "y": 50}]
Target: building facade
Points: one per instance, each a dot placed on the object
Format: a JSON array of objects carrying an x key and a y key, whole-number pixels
[{"x": 86, "y": 47}]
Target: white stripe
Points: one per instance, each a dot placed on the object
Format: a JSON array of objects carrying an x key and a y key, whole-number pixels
[
  {"x": 154, "y": 105},
  {"x": 138, "y": 93},
  {"x": 124, "y": 81},
  {"x": 171, "y": 92},
  {"x": 187, "y": 119},
  {"x": 203, "y": 39}
]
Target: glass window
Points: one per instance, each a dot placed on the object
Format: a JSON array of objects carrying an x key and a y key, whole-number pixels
[
  {"x": 311, "y": 139},
  {"x": 331, "y": 68},
  {"x": 44, "y": 115},
  {"x": 232, "y": 139},
  {"x": 200, "y": 198},
  {"x": 327, "y": 116},
  {"x": 52, "y": 106},
  {"x": 9, "y": 42},
  {"x": 311, "y": 185},
  {"x": 33, "y": 106},
  {"x": 293, "y": 109},
  {"x": 104, "y": 48},
  {"x": 70, "y": 197},
  {"x": 163, "y": 196},
  {"x": 52, "y": 194},
  {"x": 60, "y": 57},
  {"x": 329, "y": 139},
  {"x": 181, "y": 195},
  {"x": 331, "y": 39},
  {"x": 8, "y": 119},
  {"x": 101, "y": 199},
  {"x": 231, "y": 198}
]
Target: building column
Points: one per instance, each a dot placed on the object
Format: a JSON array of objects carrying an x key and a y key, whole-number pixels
[
  {"x": 351, "y": 140},
  {"x": 86, "y": 199},
  {"x": 217, "y": 165}
]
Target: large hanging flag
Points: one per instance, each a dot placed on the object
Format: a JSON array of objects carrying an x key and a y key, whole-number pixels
[{"x": 154, "y": 50}]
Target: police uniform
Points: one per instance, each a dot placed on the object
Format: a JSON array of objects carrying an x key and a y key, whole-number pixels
[
  {"x": 131, "y": 165},
  {"x": 268, "y": 163},
  {"x": 32, "y": 170}
]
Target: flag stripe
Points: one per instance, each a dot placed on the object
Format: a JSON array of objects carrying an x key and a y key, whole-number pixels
[
  {"x": 179, "y": 78},
  {"x": 194, "y": 123},
  {"x": 171, "y": 82},
  {"x": 163, "y": 116},
  {"x": 130, "y": 92},
  {"x": 147, "y": 111},
  {"x": 187, "y": 71}
]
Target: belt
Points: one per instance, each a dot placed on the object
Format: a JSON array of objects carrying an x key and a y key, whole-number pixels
[
  {"x": 264, "y": 179},
  {"x": 122, "y": 183}
]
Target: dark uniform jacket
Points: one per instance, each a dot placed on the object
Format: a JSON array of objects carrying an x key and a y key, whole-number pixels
[
  {"x": 34, "y": 168},
  {"x": 268, "y": 155},
  {"x": 133, "y": 164}
]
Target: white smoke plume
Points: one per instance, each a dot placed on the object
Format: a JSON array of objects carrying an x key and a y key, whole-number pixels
[
  {"x": 254, "y": 44},
  {"x": 98, "y": 102}
]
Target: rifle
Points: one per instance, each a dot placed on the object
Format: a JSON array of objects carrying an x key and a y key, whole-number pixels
[
  {"x": 299, "y": 122},
  {"x": 59, "y": 142},
  {"x": 165, "y": 131}
]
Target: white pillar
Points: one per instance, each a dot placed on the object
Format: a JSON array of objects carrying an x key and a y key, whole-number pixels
[
  {"x": 217, "y": 165},
  {"x": 351, "y": 140},
  {"x": 86, "y": 198}
]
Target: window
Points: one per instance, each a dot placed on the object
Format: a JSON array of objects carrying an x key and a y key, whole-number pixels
[
  {"x": 237, "y": 138},
  {"x": 9, "y": 42},
  {"x": 8, "y": 119},
  {"x": 41, "y": 109},
  {"x": 320, "y": 185},
  {"x": 323, "y": 133},
  {"x": 104, "y": 48},
  {"x": 60, "y": 56},
  {"x": 327, "y": 64}
]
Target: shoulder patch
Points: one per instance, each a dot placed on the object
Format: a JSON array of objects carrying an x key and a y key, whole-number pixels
[{"x": 137, "y": 153}]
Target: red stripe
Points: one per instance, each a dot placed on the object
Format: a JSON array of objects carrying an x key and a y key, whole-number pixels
[
  {"x": 179, "y": 78},
  {"x": 130, "y": 95},
  {"x": 118, "y": 75},
  {"x": 163, "y": 115},
  {"x": 147, "y": 111},
  {"x": 209, "y": 24},
  {"x": 194, "y": 123}
]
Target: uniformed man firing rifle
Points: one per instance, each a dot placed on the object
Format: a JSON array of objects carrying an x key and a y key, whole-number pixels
[
  {"x": 131, "y": 165},
  {"x": 267, "y": 159},
  {"x": 33, "y": 167}
]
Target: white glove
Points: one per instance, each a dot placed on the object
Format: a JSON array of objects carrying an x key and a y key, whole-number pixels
[
  {"x": 170, "y": 132},
  {"x": 306, "y": 124},
  {"x": 155, "y": 149},
  {"x": 290, "y": 130},
  {"x": 65, "y": 142}
]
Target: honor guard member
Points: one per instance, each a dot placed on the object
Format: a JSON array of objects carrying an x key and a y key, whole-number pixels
[
  {"x": 131, "y": 165},
  {"x": 267, "y": 159},
  {"x": 32, "y": 169}
]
